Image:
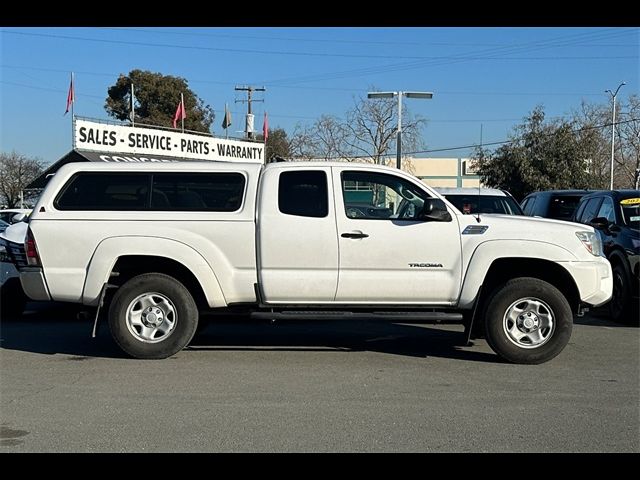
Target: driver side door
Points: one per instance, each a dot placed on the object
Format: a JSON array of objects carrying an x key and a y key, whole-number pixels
[{"x": 387, "y": 255}]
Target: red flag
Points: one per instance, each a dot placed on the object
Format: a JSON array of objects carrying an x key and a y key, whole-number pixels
[
  {"x": 180, "y": 113},
  {"x": 71, "y": 97},
  {"x": 265, "y": 127}
]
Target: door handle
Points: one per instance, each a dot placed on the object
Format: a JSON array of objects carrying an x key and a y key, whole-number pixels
[{"x": 354, "y": 235}]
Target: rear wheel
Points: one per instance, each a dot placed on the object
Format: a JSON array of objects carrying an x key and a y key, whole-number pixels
[
  {"x": 152, "y": 316},
  {"x": 528, "y": 320}
]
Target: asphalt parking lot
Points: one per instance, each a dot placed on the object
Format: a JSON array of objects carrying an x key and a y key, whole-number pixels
[{"x": 251, "y": 386}]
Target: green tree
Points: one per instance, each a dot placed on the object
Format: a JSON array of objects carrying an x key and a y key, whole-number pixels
[
  {"x": 277, "y": 143},
  {"x": 156, "y": 100},
  {"x": 16, "y": 172},
  {"x": 542, "y": 155}
]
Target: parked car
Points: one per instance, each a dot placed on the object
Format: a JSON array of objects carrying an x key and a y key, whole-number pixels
[
  {"x": 3, "y": 226},
  {"x": 12, "y": 257},
  {"x": 616, "y": 216},
  {"x": 8, "y": 214},
  {"x": 484, "y": 200},
  {"x": 558, "y": 204}
]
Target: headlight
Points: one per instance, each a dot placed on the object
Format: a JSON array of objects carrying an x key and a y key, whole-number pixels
[{"x": 591, "y": 242}]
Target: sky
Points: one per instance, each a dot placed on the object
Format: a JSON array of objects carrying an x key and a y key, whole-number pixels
[{"x": 483, "y": 79}]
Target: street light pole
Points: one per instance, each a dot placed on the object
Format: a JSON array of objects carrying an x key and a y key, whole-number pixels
[
  {"x": 613, "y": 128},
  {"x": 399, "y": 94},
  {"x": 399, "y": 135}
]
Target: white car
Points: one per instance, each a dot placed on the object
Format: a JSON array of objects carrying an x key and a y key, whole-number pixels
[
  {"x": 484, "y": 200},
  {"x": 8, "y": 214},
  {"x": 12, "y": 257}
]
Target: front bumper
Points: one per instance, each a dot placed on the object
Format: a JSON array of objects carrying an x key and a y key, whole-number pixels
[
  {"x": 593, "y": 279},
  {"x": 34, "y": 284}
]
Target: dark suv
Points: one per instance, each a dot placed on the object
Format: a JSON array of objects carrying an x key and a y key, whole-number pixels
[
  {"x": 616, "y": 216},
  {"x": 558, "y": 204}
]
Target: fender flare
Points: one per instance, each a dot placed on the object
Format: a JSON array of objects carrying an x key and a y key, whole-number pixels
[
  {"x": 110, "y": 249},
  {"x": 488, "y": 252}
]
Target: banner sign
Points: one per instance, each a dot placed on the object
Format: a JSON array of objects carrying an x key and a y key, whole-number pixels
[{"x": 103, "y": 137}]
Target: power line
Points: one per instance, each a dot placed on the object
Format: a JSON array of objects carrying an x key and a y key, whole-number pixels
[
  {"x": 564, "y": 40},
  {"x": 334, "y": 40},
  {"x": 49, "y": 89},
  {"x": 502, "y": 142},
  {"x": 300, "y": 87},
  {"x": 307, "y": 54},
  {"x": 257, "y": 37}
]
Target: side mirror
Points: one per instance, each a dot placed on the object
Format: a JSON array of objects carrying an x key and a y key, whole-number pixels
[
  {"x": 434, "y": 210},
  {"x": 599, "y": 223},
  {"x": 18, "y": 217}
]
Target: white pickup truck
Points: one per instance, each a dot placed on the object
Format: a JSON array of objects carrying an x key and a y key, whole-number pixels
[{"x": 160, "y": 243}]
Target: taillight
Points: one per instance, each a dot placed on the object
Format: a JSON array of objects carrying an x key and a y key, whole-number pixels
[{"x": 33, "y": 259}]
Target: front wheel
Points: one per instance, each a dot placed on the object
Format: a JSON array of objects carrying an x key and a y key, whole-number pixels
[
  {"x": 153, "y": 316},
  {"x": 528, "y": 320},
  {"x": 619, "y": 310}
]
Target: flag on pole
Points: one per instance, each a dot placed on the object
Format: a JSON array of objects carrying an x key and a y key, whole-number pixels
[
  {"x": 180, "y": 113},
  {"x": 226, "y": 121},
  {"x": 71, "y": 96},
  {"x": 265, "y": 127},
  {"x": 132, "y": 114}
]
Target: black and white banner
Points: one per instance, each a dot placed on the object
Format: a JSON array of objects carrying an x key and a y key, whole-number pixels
[{"x": 103, "y": 137}]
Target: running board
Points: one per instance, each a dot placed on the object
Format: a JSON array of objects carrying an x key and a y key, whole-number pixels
[{"x": 433, "y": 317}]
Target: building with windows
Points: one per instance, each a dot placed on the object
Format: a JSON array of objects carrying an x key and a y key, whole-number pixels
[{"x": 443, "y": 172}]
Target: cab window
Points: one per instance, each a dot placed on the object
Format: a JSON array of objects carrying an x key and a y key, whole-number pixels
[{"x": 378, "y": 196}]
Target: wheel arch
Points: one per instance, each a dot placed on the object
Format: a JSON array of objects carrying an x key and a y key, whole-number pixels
[
  {"x": 129, "y": 256},
  {"x": 496, "y": 261}
]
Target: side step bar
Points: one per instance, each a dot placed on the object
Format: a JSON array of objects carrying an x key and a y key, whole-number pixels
[{"x": 427, "y": 317}]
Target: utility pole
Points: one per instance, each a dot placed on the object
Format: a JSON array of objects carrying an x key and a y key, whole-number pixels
[{"x": 249, "y": 122}]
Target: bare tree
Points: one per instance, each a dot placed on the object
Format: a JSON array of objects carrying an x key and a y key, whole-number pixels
[
  {"x": 594, "y": 122},
  {"x": 373, "y": 125},
  {"x": 594, "y": 140},
  {"x": 627, "y": 155},
  {"x": 16, "y": 172},
  {"x": 332, "y": 138},
  {"x": 303, "y": 143},
  {"x": 367, "y": 134}
]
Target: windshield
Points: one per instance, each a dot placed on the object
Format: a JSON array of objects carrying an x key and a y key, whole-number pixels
[
  {"x": 631, "y": 212},
  {"x": 468, "y": 204}
]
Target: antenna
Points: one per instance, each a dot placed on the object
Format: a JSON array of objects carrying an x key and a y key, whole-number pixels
[{"x": 478, "y": 212}]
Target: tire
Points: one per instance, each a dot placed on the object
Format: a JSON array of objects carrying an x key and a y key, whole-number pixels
[
  {"x": 619, "y": 306},
  {"x": 152, "y": 316},
  {"x": 12, "y": 299},
  {"x": 528, "y": 321}
]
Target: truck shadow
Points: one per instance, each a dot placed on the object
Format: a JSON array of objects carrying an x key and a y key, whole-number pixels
[
  {"x": 345, "y": 335},
  {"x": 599, "y": 317},
  {"x": 59, "y": 332}
]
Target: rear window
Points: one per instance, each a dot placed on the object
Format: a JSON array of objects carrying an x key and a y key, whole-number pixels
[
  {"x": 562, "y": 207},
  {"x": 209, "y": 192},
  {"x": 304, "y": 194}
]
